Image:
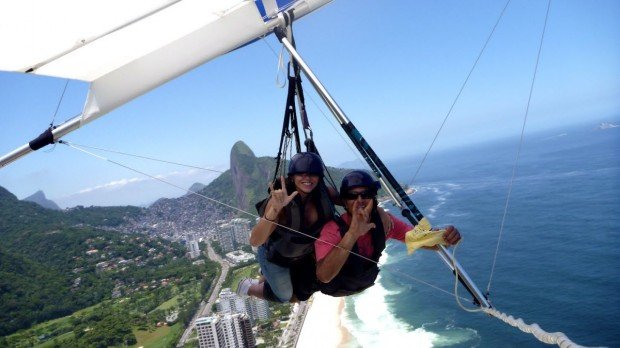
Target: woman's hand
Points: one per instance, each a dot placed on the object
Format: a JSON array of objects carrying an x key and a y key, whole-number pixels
[{"x": 279, "y": 199}]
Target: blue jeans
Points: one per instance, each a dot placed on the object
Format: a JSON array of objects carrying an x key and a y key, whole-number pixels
[{"x": 278, "y": 277}]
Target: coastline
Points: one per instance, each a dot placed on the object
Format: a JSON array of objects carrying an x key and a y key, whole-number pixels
[{"x": 322, "y": 325}]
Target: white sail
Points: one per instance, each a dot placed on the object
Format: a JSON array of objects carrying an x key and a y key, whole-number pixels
[
  {"x": 125, "y": 50},
  {"x": 187, "y": 34}
]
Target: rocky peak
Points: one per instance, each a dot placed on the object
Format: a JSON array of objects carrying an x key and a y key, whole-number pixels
[
  {"x": 246, "y": 173},
  {"x": 40, "y": 199},
  {"x": 196, "y": 187}
]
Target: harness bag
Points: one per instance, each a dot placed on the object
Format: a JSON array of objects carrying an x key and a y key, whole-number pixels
[
  {"x": 285, "y": 247},
  {"x": 357, "y": 274}
]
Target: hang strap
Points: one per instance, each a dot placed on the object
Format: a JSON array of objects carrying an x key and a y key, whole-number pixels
[{"x": 290, "y": 127}]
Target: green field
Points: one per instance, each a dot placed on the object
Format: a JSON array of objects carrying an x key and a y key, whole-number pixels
[
  {"x": 173, "y": 302},
  {"x": 29, "y": 338},
  {"x": 51, "y": 333},
  {"x": 159, "y": 338}
]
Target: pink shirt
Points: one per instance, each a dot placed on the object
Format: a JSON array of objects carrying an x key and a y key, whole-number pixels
[{"x": 331, "y": 234}]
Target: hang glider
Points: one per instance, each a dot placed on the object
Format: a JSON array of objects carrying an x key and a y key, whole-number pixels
[{"x": 125, "y": 49}]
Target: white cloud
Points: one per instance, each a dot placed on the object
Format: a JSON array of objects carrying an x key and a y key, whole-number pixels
[
  {"x": 137, "y": 190},
  {"x": 111, "y": 185}
]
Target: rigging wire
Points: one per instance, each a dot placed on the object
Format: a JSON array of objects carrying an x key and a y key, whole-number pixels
[
  {"x": 62, "y": 95},
  {"x": 459, "y": 93},
  {"x": 77, "y": 147},
  {"x": 280, "y": 63},
  {"x": 518, "y": 155},
  {"x": 140, "y": 156}
]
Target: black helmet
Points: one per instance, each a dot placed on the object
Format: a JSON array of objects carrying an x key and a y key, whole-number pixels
[
  {"x": 306, "y": 162},
  {"x": 358, "y": 178}
]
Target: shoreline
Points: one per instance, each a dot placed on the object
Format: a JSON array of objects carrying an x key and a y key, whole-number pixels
[{"x": 322, "y": 325}]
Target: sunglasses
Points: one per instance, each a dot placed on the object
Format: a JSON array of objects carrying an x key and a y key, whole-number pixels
[{"x": 363, "y": 194}]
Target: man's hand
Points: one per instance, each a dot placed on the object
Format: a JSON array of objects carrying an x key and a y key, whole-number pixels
[
  {"x": 360, "y": 219},
  {"x": 452, "y": 235}
]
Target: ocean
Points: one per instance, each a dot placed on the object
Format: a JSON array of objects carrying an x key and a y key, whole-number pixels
[{"x": 558, "y": 260}]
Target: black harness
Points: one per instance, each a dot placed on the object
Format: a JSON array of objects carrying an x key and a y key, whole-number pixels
[
  {"x": 357, "y": 274},
  {"x": 286, "y": 247}
]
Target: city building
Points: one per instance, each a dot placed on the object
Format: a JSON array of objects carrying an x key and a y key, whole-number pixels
[
  {"x": 258, "y": 309},
  {"x": 209, "y": 331},
  {"x": 230, "y": 302},
  {"x": 237, "y": 331},
  {"x": 225, "y": 331},
  {"x": 193, "y": 249},
  {"x": 241, "y": 230},
  {"x": 239, "y": 256},
  {"x": 226, "y": 237}
]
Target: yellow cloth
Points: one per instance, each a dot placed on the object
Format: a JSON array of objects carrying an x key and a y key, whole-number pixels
[{"x": 423, "y": 236}]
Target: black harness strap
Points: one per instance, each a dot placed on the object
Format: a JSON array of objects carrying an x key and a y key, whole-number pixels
[{"x": 289, "y": 126}]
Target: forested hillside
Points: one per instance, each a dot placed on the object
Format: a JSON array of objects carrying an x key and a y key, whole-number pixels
[{"x": 54, "y": 263}]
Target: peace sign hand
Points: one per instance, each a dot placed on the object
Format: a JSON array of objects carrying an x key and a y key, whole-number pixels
[
  {"x": 360, "y": 219},
  {"x": 280, "y": 197}
]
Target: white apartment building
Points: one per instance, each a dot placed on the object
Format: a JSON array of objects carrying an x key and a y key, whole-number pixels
[
  {"x": 226, "y": 237},
  {"x": 241, "y": 230},
  {"x": 225, "y": 331},
  {"x": 209, "y": 331},
  {"x": 193, "y": 249},
  {"x": 230, "y": 302},
  {"x": 239, "y": 256},
  {"x": 260, "y": 309}
]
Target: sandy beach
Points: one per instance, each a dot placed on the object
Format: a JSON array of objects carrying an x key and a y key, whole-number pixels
[{"x": 322, "y": 326}]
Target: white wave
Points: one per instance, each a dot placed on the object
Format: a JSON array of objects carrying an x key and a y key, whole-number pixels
[
  {"x": 375, "y": 326},
  {"x": 456, "y": 336},
  {"x": 441, "y": 197},
  {"x": 554, "y": 137},
  {"x": 457, "y": 214}
]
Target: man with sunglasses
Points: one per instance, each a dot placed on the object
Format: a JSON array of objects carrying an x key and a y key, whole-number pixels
[{"x": 360, "y": 235}]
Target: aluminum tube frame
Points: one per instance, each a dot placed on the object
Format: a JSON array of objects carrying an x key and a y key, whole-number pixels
[
  {"x": 15, "y": 155},
  {"x": 57, "y": 132},
  {"x": 444, "y": 254}
]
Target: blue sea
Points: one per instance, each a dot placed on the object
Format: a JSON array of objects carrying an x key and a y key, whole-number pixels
[{"x": 558, "y": 263}]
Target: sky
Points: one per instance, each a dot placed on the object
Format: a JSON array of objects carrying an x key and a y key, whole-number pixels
[{"x": 394, "y": 67}]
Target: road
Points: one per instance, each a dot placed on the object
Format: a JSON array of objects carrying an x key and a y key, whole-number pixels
[
  {"x": 290, "y": 335},
  {"x": 205, "y": 308}
]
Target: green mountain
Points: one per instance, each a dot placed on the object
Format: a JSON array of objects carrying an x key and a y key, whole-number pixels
[
  {"x": 249, "y": 175},
  {"x": 246, "y": 182},
  {"x": 53, "y": 263}
]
